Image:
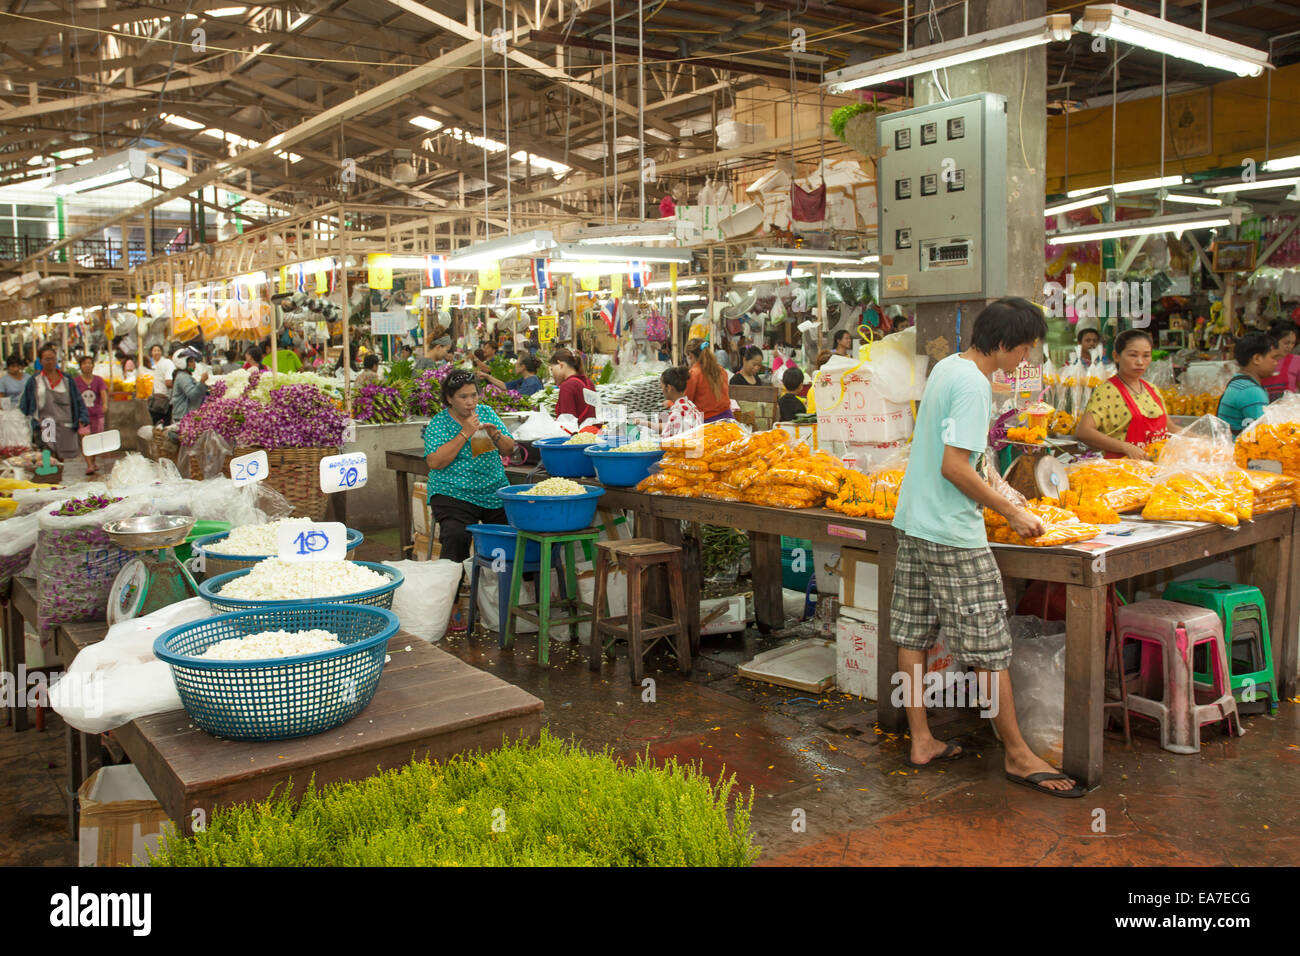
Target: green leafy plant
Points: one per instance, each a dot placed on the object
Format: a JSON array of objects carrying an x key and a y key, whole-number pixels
[
  {"x": 545, "y": 804},
  {"x": 721, "y": 548},
  {"x": 840, "y": 117}
]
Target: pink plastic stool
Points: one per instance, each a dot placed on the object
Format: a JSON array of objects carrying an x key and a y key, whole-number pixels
[{"x": 1169, "y": 632}]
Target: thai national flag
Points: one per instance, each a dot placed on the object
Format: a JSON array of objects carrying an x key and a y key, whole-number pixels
[
  {"x": 789, "y": 271},
  {"x": 609, "y": 312},
  {"x": 435, "y": 271},
  {"x": 301, "y": 279},
  {"x": 542, "y": 277},
  {"x": 638, "y": 273}
]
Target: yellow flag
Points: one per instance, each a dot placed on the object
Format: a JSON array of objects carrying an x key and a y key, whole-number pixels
[
  {"x": 616, "y": 284},
  {"x": 672, "y": 277},
  {"x": 322, "y": 282},
  {"x": 546, "y": 328},
  {"x": 590, "y": 282},
  {"x": 379, "y": 270},
  {"x": 489, "y": 277},
  {"x": 478, "y": 295}
]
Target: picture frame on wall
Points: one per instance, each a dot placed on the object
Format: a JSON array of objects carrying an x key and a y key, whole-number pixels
[{"x": 1233, "y": 255}]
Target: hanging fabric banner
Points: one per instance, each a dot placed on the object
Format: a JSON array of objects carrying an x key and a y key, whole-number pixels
[
  {"x": 609, "y": 312},
  {"x": 638, "y": 273},
  {"x": 379, "y": 270},
  {"x": 322, "y": 281},
  {"x": 546, "y": 328},
  {"x": 489, "y": 277},
  {"x": 616, "y": 285},
  {"x": 284, "y": 279},
  {"x": 435, "y": 271},
  {"x": 542, "y": 277},
  {"x": 672, "y": 277}
]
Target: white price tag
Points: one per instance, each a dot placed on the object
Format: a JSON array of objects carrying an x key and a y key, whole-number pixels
[
  {"x": 343, "y": 472},
  {"x": 249, "y": 468},
  {"x": 590, "y": 397},
  {"x": 101, "y": 443},
  {"x": 349, "y": 432},
  {"x": 319, "y": 541}
]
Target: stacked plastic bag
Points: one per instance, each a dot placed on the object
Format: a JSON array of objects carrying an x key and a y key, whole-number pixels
[
  {"x": 1275, "y": 436},
  {"x": 1061, "y": 526},
  {"x": 1197, "y": 479},
  {"x": 1104, "y": 488}
]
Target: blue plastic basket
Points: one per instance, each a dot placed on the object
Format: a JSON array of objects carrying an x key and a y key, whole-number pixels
[
  {"x": 622, "y": 469},
  {"x": 565, "y": 461},
  {"x": 549, "y": 512},
  {"x": 217, "y": 561},
  {"x": 210, "y": 591},
  {"x": 283, "y": 697},
  {"x": 489, "y": 537}
]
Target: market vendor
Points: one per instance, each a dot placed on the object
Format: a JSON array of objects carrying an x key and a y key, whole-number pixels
[
  {"x": 1089, "y": 338},
  {"x": 751, "y": 367},
  {"x": 707, "y": 386},
  {"x": 571, "y": 377},
  {"x": 1125, "y": 413},
  {"x": 526, "y": 380},
  {"x": 51, "y": 395},
  {"x": 189, "y": 389},
  {"x": 465, "y": 471},
  {"x": 94, "y": 394},
  {"x": 843, "y": 342},
  {"x": 14, "y": 382}
]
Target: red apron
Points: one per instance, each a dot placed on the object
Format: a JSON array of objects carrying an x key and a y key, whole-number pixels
[{"x": 1141, "y": 429}]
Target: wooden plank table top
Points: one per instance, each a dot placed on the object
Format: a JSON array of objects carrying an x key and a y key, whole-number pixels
[{"x": 428, "y": 701}]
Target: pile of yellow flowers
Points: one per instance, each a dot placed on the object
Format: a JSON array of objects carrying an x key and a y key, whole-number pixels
[
  {"x": 1061, "y": 526},
  {"x": 1062, "y": 423},
  {"x": 1033, "y": 435},
  {"x": 1272, "y": 441},
  {"x": 1102, "y": 489},
  {"x": 1220, "y": 497},
  {"x": 1178, "y": 402},
  {"x": 868, "y": 496}
]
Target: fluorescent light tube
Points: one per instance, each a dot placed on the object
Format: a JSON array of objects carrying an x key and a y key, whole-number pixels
[
  {"x": 853, "y": 274},
  {"x": 1132, "y": 186},
  {"x": 1192, "y": 200},
  {"x": 1084, "y": 203},
  {"x": 570, "y": 251},
  {"x": 1281, "y": 164},
  {"x": 507, "y": 247},
  {"x": 1161, "y": 36},
  {"x": 770, "y": 275},
  {"x": 936, "y": 56},
  {"x": 660, "y": 230},
  {"x": 1241, "y": 187},
  {"x": 684, "y": 283},
  {"x": 1177, "y": 223},
  {"x": 812, "y": 255},
  {"x": 443, "y": 290}
]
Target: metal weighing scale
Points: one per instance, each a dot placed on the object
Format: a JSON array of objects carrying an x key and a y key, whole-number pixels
[
  {"x": 1038, "y": 473},
  {"x": 156, "y": 578}
]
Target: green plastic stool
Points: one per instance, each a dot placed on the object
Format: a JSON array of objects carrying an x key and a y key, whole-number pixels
[
  {"x": 540, "y": 612},
  {"x": 1245, "y": 627}
]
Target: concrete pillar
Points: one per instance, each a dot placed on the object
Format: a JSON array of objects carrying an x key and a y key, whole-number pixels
[{"x": 1022, "y": 78}]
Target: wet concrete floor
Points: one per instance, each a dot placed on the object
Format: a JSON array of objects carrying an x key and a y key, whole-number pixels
[{"x": 827, "y": 787}]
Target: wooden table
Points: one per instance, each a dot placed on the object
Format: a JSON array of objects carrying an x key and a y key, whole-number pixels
[
  {"x": 428, "y": 702},
  {"x": 1275, "y": 570},
  {"x": 21, "y": 608}
]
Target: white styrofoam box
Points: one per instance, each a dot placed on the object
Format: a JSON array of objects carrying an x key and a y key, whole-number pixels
[
  {"x": 730, "y": 620},
  {"x": 850, "y": 408},
  {"x": 864, "y": 197},
  {"x": 859, "y": 571},
  {"x": 732, "y": 134},
  {"x": 421, "y": 514},
  {"x": 856, "y": 632},
  {"x": 488, "y": 603}
]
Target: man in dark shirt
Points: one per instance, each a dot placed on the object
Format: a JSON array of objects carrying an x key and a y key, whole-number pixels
[{"x": 791, "y": 404}]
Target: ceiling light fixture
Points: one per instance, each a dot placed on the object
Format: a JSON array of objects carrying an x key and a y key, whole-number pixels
[
  {"x": 1177, "y": 223},
  {"x": 570, "y": 252},
  {"x": 1123, "y": 25},
  {"x": 1132, "y": 186},
  {"x": 1073, "y": 204},
  {"x": 1190, "y": 200},
  {"x": 770, "y": 275},
  {"x": 507, "y": 247},
  {"x": 812, "y": 255},
  {"x": 1241, "y": 187},
  {"x": 937, "y": 56},
  {"x": 109, "y": 171},
  {"x": 652, "y": 231}
]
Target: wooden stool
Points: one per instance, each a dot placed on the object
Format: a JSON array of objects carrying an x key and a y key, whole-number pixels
[
  {"x": 639, "y": 627},
  {"x": 540, "y": 612}
]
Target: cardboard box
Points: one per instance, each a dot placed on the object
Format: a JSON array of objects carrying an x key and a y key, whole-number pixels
[
  {"x": 420, "y": 548},
  {"x": 860, "y": 578},
  {"x": 856, "y": 632},
  {"x": 121, "y": 822}
]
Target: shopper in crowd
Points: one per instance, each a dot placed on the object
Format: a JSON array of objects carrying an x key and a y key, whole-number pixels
[
  {"x": 809, "y": 396},
  {"x": 1288, "y": 368},
  {"x": 1089, "y": 338},
  {"x": 720, "y": 356},
  {"x": 189, "y": 390},
  {"x": 51, "y": 396},
  {"x": 231, "y": 362},
  {"x": 945, "y": 574},
  {"x": 160, "y": 403},
  {"x": 707, "y": 386},
  {"x": 1125, "y": 413},
  {"x": 790, "y": 404},
  {"x": 751, "y": 368},
  {"x": 1245, "y": 398},
  {"x": 463, "y": 445},
  {"x": 287, "y": 360},
  {"x": 406, "y": 353},
  {"x": 253, "y": 358},
  {"x": 435, "y": 354},
  {"x": 682, "y": 413},
  {"x": 13, "y": 382},
  {"x": 369, "y": 372},
  {"x": 571, "y": 377},
  {"x": 527, "y": 381},
  {"x": 842, "y": 342},
  {"x": 94, "y": 395}
]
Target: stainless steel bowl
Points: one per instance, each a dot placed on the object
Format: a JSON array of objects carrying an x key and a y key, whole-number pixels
[{"x": 149, "y": 531}]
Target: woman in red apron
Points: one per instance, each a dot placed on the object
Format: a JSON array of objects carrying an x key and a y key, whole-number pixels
[{"x": 1125, "y": 414}]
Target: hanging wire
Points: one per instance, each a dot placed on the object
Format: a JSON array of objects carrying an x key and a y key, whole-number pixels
[
  {"x": 613, "y": 102},
  {"x": 604, "y": 144},
  {"x": 505, "y": 93},
  {"x": 640, "y": 114},
  {"x": 482, "y": 81}
]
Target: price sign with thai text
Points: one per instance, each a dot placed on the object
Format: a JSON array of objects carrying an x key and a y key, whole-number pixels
[
  {"x": 318, "y": 541},
  {"x": 101, "y": 443},
  {"x": 249, "y": 468},
  {"x": 343, "y": 472},
  {"x": 546, "y": 328}
]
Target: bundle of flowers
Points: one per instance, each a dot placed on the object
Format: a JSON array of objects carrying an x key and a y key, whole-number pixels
[
  {"x": 378, "y": 405},
  {"x": 259, "y": 384},
  {"x": 221, "y": 414},
  {"x": 296, "y": 416},
  {"x": 425, "y": 398}
]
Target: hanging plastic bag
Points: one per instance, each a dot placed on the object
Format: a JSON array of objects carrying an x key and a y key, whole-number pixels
[
  {"x": 76, "y": 563},
  {"x": 1038, "y": 675},
  {"x": 15, "y": 432},
  {"x": 118, "y": 680}
]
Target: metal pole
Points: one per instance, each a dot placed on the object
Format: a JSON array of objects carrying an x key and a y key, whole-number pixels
[
  {"x": 821, "y": 310},
  {"x": 613, "y": 105},
  {"x": 345, "y": 307},
  {"x": 640, "y": 116}
]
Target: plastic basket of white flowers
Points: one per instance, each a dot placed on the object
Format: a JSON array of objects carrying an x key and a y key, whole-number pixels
[
  {"x": 278, "y": 673},
  {"x": 556, "y": 504},
  {"x": 276, "y": 583},
  {"x": 243, "y": 547}
]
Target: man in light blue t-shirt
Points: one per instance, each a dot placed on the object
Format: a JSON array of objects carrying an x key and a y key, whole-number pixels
[
  {"x": 1245, "y": 398},
  {"x": 944, "y": 572}
]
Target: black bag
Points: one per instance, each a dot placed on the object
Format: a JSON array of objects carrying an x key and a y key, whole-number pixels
[{"x": 159, "y": 403}]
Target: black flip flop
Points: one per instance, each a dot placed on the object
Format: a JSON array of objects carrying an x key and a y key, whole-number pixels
[
  {"x": 1033, "y": 780},
  {"x": 948, "y": 754}
]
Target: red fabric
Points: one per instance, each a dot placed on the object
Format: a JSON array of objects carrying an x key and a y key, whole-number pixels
[
  {"x": 1141, "y": 430},
  {"x": 807, "y": 206},
  {"x": 571, "y": 401},
  {"x": 97, "y": 411},
  {"x": 1046, "y": 600},
  {"x": 667, "y": 208},
  {"x": 699, "y": 392}
]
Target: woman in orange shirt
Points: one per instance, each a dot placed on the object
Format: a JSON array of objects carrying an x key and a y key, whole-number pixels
[{"x": 707, "y": 385}]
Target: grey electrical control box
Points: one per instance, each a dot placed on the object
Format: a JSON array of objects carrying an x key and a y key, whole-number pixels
[{"x": 942, "y": 199}]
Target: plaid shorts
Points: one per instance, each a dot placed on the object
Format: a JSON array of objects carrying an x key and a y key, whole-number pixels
[{"x": 958, "y": 589}]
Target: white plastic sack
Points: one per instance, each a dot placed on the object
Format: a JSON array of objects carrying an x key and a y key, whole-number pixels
[
  {"x": 489, "y": 601},
  {"x": 539, "y": 425},
  {"x": 424, "y": 601},
  {"x": 134, "y": 469},
  {"x": 1038, "y": 680},
  {"x": 117, "y": 680},
  {"x": 15, "y": 429}
]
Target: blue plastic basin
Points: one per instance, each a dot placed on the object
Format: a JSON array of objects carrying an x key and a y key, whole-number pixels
[
  {"x": 568, "y": 461},
  {"x": 622, "y": 469},
  {"x": 549, "y": 512},
  {"x": 489, "y": 537}
]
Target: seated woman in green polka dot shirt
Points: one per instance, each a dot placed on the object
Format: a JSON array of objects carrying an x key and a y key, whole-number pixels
[{"x": 463, "y": 485}]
